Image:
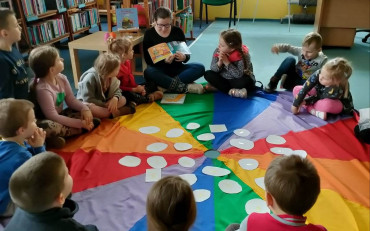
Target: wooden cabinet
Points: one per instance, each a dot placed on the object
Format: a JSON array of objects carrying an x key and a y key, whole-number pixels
[
  {"x": 337, "y": 20},
  {"x": 49, "y": 21}
]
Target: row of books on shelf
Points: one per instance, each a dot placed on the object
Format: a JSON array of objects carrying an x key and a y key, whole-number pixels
[
  {"x": 77, "y": 3},
  {"x": 46, "y": 31},
  {"x": 174, "y": 5},
  {"x": 184, "y": 21},
  {"x": 86, "y": 18},
  {"x": 33, "y": 7}
]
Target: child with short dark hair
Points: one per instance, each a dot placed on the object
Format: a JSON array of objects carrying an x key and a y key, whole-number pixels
[
  {"x": 310, "y": 59},
  {"x": 231, "y": 68},
  {"x": 171, "y": 205},
  {"x": 21, "y": 139},
  {"x": 40, "y": 188},
  {"x": 139, "y": 94},
  {"x": 99, "y": 88},
  {"x": 292, "y": 187},
  {"x": 14, "y": 72},
  {"x": 50, "y": 89}
]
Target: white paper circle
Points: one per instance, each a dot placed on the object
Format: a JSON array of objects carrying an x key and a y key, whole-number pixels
[
  {"x": 182, "y": 146},
  {"x": 201, "y": 195},
  {"x": 192, "y": 126},
  {"x": 301, "y": 153},
  {"x": 157, "y": 162},
  {"x": 260, "y": 182},
  {"x": 156, "y": 147},
  {"x": 190, "y": 178},
  {"x": 242, "y": 144},
  {"x": 149, "y": 129},
  {"x": 206, "y": 137},
  {"x": 186, "y": 162},
  {"x": 175, "y": 132},
  {"x": 130, "y": 161},
  {"x": 248, "y": 164},
  {"x": 256, "y": 206},
  {"x": 230, "y": 186},
  {"x": 274, "y": 139},
  {"x": 242, "y": 132},
  {"x": 281, "y": 151},
  {"x": 215, "y": 171}
]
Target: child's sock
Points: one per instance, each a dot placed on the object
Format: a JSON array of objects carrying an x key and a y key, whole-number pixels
[
  {"x": 125, "y": 110},
  {"x": 155, "y": 96},
  {"x": 209, "y": 88},
  {"x": 320, "y": 114}
]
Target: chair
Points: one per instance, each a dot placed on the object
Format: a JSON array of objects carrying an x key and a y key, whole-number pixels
[{"x": 217, "y": 3}]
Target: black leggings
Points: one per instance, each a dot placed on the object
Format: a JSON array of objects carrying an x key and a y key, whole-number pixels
[{"x": 225, "y": 85}]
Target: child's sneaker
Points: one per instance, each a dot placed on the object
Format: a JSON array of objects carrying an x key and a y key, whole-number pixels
[
  {"x": 56, "y": 142},
  {"x": 271, "y": 86},
  {"x": 155, "y": 96},
  {"x": 195, "y": 88},
  {"x": 239, "y": 93},
  {"x": 320, "y": 114}
]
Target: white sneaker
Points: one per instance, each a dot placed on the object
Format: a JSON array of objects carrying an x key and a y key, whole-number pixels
[
  {"x": 195, "y": 88},
  {"x": 239, "y": 93},
  {"x": 320, "y": 114}
]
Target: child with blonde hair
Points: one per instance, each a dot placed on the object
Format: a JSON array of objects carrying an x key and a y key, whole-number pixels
[
  {"x": 326, "y": 91},
  {"x": 292, "y": 187},
  {"x": 231, "y": 68},
  {"x": 146, "y": 93},
  {"x": 171, "y": 205},
  {"x": 50, "y": 89},
  {"x": 99, "y": 88},
  {"x": 14, "y": 72},
  {"x": 293, "y": 73}
]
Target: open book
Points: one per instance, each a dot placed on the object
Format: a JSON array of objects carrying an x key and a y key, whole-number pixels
[
  {"x": 127, "y": 19},
  {"x": 163, "y": 50},
  {"x": 173, "y": 98}
]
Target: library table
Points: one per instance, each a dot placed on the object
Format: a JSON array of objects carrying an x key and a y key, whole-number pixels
[{"x": 96, "y": 42}]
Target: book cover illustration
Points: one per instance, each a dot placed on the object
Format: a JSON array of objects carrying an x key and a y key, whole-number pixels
[
  {"x": 173, "y": 98},
  {"x": 163, "y": 50},
  {"x": 127, "y": 18}
]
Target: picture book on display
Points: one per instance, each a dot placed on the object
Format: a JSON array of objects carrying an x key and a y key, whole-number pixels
[
  {"x": 127, "y": 19},
  {"x": 173, "y": 98},
  {"x": 163, "y": 50}
]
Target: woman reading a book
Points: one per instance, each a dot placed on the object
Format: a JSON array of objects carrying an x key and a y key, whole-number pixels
[{"x": 172, "y": 74}]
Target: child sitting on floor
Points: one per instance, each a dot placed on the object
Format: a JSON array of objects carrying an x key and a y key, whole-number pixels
[
  {"x": 310, "y": 59},
  {"x": 99, "y": 88},
  {"x": 130, "y": 89},
  {"x": 51, "y": 89},
  {"x": 326, "y": 91},
  {"x": 292, "y": 187},
  {"x": 21, "y": 139},
  {"x": 231, "y": 68},
  {"x": 171, "y": 205},
  {"x": 40, "y": 188}
]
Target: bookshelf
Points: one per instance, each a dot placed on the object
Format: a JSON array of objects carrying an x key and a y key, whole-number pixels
[{"x": 49, "y": 21}]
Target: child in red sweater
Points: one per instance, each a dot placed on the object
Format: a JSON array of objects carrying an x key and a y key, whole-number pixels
[{"x": 130, "y": 89}]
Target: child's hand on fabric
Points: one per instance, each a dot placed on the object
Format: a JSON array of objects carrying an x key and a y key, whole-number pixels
[
  {"x": 112, "y": 104},
  {"x": 275, "y": 49},
  {"x": 86, "y": 115},
  {"x": 37, "y": 139},
  {"x": 169, "y": 59},
  {"x": 224, "y": 58},
  {"x": 295, "y": 110},
  {"x": 179, "y": 57},
  {"x": 87, "y": 126}
]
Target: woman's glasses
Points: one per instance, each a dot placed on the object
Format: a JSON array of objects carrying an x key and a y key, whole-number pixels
[{"x": 160, "y": 26}]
